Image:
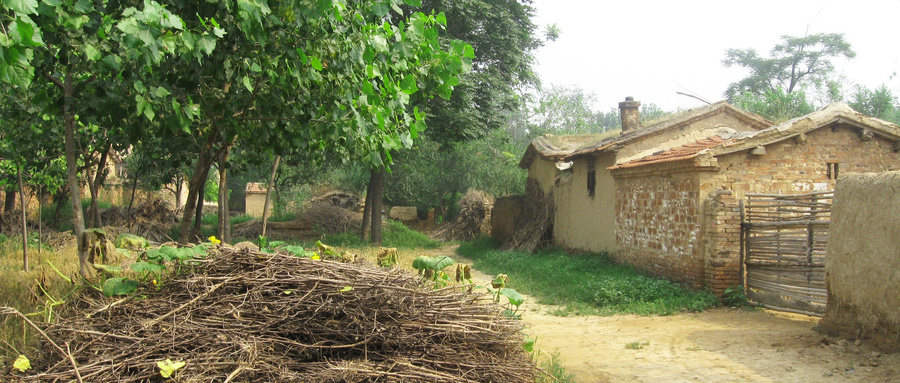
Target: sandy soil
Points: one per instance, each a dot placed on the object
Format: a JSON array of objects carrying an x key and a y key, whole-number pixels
[{"x": 721, "y": 345}]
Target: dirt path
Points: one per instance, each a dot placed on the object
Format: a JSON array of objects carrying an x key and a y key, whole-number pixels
[{"x": 721, "y": 345}]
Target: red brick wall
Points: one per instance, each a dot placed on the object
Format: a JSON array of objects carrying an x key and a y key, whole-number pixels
[
  {"x": 723, "y": 241},
  {"x": 658, "y": 224},
  {"x": 792, "y": 167}
]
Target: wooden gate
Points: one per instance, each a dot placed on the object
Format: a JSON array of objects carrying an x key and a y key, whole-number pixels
[{"x": 784, "y": 239}]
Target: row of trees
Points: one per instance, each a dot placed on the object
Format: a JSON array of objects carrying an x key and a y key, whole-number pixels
[{"x": 191, "y": 83}]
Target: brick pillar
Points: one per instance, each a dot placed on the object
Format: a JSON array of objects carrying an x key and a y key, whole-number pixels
[{"x": 723, "y": 241}]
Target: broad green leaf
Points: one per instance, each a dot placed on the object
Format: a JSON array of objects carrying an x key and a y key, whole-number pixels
[
  {"x": 439, "y": 263},
  {"x": 414, "y": 3},
  {"x": 408, "y": 84},
  {"x": 162, "y": 92},
  {"x": 514, "y": 297},
  {"x": 28, "y": 32},
  {"x": 219, "y": 32},
  {"x": 167, "y": 367},
  {"x": 206, "y": 43},
  {"x": 119, "y": 286},
  {"x": 91, "y": 52},
  {"x": 316, "y": 64},
  {"x": 421, "y": 263},
  {"x": 113, "y": 62},
  {"x": 28, "y": 7},
  {"x": 84, "y": 6},
  {"x": 247, "y": 83},
  {"x": 145, "y": 267},
  {"x": 381, "y": 9}
]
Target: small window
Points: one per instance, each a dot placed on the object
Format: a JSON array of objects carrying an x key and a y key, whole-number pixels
[
  {"x": 833, "y": 169},
  {"x": 591, "y": 182}
]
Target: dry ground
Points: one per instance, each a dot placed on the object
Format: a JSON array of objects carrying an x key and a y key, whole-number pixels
[{"x": 721, "y": 345}]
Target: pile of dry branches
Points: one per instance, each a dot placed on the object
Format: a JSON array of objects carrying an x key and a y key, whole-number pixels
[
  {"x": 474, "y": 208},
  {"x": 332, "y": 219},
  {"x": 534, "y": 225},
  {"x": 151, "y": 219},
  {"x": 244, "y": 316}
]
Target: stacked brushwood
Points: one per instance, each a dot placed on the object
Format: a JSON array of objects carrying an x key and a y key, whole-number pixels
[
  {"x": 314, "y": 220},
  {"x": 534, "y": 224},
  {"x": 474, "y": 209},
  {"x": 245, "y": 316},
  {"x": 151, "y": 219}
]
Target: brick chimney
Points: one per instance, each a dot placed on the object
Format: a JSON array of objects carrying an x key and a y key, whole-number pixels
[{"x": 630, "y": 112}]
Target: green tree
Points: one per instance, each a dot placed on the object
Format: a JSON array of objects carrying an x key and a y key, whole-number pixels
[
  {"x": 794, "y": 63},
  {"x": 879, "y": 102},
  {"x": 565, "y": 110},
  {"x": 503, "y": 39},
  {"x": 776, "y": 105}
]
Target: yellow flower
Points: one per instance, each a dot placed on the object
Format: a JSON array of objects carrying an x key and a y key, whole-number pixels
[
  {"x": 167, "y": 367},
  {"x": 214, "y": 240},
  {"x": 315, "y": 257},
  {"x": 22, "y": 363}
]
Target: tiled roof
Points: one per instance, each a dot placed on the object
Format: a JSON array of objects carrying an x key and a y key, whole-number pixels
[
  {"x": 255, "y": 187},
  {"x": 673, "y": 121},
  {"x": 683, "y": 152}
]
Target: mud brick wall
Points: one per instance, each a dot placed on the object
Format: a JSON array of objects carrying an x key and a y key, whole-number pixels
[
  {"x": 723, "y": 241},
  {"x": 863, "y": 260},
  {"x": 503, "y": 217},
  {"x": 658, "y": 225}
]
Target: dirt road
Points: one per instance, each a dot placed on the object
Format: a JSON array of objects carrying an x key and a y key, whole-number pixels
[{"x": 721, "y": 345}]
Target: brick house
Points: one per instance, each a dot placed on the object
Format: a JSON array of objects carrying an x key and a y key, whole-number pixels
[{"x": 665, "y": 197}]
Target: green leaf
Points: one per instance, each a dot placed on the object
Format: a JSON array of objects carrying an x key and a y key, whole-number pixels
[
  {"x": 162, "y": 92},
  {"x": 439, "y": 263},
  {"x": 119, "y": 286},
  {"x": 316, "y": 64},
  {"x": 84, "y": 6},
  {"x": 28, "y": 7},
  {"x": 247, "y": 83},
  {"x": 421, "y": 263},
  {"x": 206, "y": 43},
  {"x": 514, "y": 297},
  {"x": 92, "y": 53},
  {"x": 408, "y": 84},
  {"x": 145, "y": 267},
  {"x": 381, "y": 9},
  {"x": 414, "y": 3}
]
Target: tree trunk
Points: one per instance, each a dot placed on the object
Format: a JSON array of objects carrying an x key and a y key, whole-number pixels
[
  {"x": 92, "y": 211},
  {"x": 59, "y": 199},
  {"x": 85, "y": 261},
  {"x": 377, "y": 190},
  {"x": 367, "y": 210},
  {"x": 10, "y": 203},
  {"x": 96, "y": 184},
  {"x": 198, "y": 212},
  {"x": 197, "y": 180},
  {"x": 224, "y": 231},
  {"x": 136, "y": 174},
  {"x": 269, "y": 196},
  {"x": 24, "y": 222}
]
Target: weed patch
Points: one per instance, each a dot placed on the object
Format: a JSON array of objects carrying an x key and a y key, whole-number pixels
[{"x": 586, "y": 283}]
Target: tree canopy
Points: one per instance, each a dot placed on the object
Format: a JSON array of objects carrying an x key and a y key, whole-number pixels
[{"x": 791, "y": 64}]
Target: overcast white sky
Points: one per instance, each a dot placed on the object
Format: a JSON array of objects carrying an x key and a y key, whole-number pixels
[{"x": 652, "y": 49}]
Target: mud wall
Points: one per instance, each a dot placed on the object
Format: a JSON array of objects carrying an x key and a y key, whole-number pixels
[{"x": 863, "y": 261}]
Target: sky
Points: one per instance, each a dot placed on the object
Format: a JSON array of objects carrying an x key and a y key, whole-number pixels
[{"x": 652, "y": 49}]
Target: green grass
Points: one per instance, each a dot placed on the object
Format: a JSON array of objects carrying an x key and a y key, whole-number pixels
[
  {"x": 21, "y": 290},
  {"x": 395, "y": 234},
  {"x": 585, "y": 284},
  {"x": 65, "y": 213}
]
